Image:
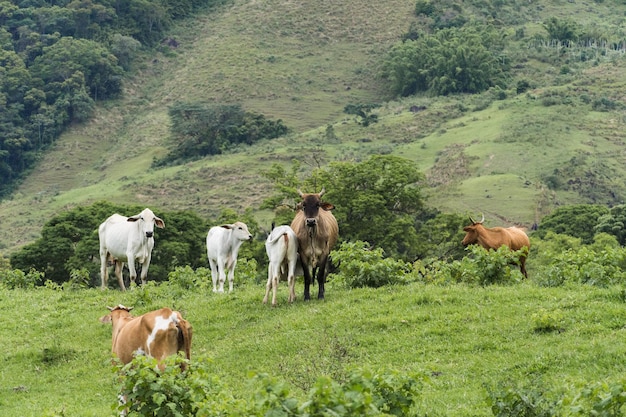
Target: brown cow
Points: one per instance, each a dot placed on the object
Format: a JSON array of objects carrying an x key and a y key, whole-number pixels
[
  {"x": 158, "y": 334},
  {"x": 492, "y": 238},
  {"x": 317, "y": 232}
]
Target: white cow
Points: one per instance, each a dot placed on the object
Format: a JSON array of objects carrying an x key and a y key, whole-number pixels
[
  {"x": 222, "y": 246},
  {"x": 282, "y": 250},
  {"x": 126, "y": 239}
]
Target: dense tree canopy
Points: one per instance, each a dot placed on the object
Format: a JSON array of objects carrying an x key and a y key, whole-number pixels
[
  {"x": 576, "y": 220},
  {"x": 58, "y": 58}
]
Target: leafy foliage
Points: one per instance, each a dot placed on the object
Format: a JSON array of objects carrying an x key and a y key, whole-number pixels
[
  {"x": 576, "y": 220},
  {"x": 361, "y": 266},
  {"x": 58, "y": 58},
  {"x": 454, "y": 60},
  {"x": 200, "y": 130},
  {"x": 151, "y": 391}
]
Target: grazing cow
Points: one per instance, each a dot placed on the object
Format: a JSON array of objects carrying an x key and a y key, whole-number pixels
[
  {"x": 222, "y": 246},
  {"x": 317, "y": 232},
  {"x": 158, "y": 334},
  {"x": 282, "y": 251},
  {"x": 492, "y": 238},
  {"x": 126, "y": 239}
]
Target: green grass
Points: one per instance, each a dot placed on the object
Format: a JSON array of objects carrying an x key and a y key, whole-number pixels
[{"x": 466, "y": 340}]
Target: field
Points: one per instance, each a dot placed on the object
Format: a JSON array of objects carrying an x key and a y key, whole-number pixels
[{"x": 465, "y": 341}]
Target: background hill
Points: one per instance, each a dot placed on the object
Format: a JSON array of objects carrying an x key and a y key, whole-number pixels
[{"x": 511, "y": 153}]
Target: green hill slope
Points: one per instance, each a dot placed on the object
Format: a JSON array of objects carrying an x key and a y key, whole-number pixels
[{"x": 512, "y": 156}]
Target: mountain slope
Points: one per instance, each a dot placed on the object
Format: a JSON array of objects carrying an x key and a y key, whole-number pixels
[{"x": 513, "y": 156}]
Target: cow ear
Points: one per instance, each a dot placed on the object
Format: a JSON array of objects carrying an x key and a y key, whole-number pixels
[
  {"x": 106, "y": 319},
  {"x": 159, "y": 223},
  {"x": 133, "y": 218},
  {"x": 227, "y": 226},
  {"x": 327, "y": 206},
  {"x": 299, "y": 206}
]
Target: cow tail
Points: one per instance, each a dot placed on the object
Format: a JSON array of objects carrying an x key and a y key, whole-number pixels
[{"x": 185, "y": 332}]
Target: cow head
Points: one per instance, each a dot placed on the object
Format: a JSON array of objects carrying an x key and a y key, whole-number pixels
[
  {"x": 122, "y": 309},
  {"x": 472, "y": 231},
  {"x": 311, "y": 204},
  {"x": 148, "y": 221},
  {"x": 239, "y": 230}
]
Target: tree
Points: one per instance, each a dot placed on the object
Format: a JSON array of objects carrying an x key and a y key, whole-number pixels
[
  {"x": 376, "y": 201},
  {"x": 613, "y": 223},
  {"x": 454, "y": 60},
  {"x": 62, "y": 60},
  {"x": 577, "y": 220}
]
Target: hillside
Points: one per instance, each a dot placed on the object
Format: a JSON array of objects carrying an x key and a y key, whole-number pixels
[{"x": 512, "y": 156}]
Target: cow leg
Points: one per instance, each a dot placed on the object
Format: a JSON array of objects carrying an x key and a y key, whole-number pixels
[
  {"x": 291, "y": 280},
  {"x": 104, "y": 271},
  {"x": 221, "y": 275},
  {"x": 231, "y": 275},
  {"x": 144, "y": 270},
  {"x": 307, "y": 280},
  {"x": 119, "y": 273},
  {"x": 269, "y": 283},
  {"x": 213, "y": 274},
  {"x": 522, "y": 266},
  {"x": 321, "y": 279},
  {"x": 131, "y": 269}
]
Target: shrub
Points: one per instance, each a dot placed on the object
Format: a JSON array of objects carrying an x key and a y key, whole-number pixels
[
  {"x": 16, "y": 278},
  {"x": 362, "y": 266},
  {"x": 545, "y": 321}
]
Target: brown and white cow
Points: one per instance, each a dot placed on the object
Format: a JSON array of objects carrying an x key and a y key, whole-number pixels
[
  {"x": 158, "y": 334},
  {"x": 317, "y": 231},
  {"x": 492, "y": 238}
]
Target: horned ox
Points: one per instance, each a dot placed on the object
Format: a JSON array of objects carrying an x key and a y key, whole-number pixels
[
  {"x": 158, "y": 334},
  {"x": 492, "y": 238},
  {"x": 282, "y": 251},
  {"x": 317, "y": 232},
  {"x": 222, "y": 245},
  {"x": 126, "y": 239}
]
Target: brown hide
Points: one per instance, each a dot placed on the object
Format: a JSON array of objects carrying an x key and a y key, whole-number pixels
[
  {"x": 317, "y": 231},
  {"x": 158, "y": 334},
  {"x": 492, "y": 238}
]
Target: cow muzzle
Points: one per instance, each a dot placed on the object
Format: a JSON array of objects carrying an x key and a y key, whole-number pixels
[
  {"x": 149, "y": 234},
  {"x": 311, "y": 222}
]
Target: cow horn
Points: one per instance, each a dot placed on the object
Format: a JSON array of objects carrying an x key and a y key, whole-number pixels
[
  {"x": 300, "y": 193},
  {"x": 323, "y": 191},
  {"x": 483, "y": 218},
  {"x": 472, "y": 220}
]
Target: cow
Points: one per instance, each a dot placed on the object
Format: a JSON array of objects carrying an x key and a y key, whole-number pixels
[
  {"x": 158, "y": 334},
  {"x": 317, "y": 231},
  {"x": 282, "y": 251},
  {"x": 492, "y": 238},
  {"x": 222, "y": 246},
  {"x": 126, "y": 239}
]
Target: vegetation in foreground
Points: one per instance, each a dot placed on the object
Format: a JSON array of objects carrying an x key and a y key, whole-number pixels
[{"x": 469, "y": 349}]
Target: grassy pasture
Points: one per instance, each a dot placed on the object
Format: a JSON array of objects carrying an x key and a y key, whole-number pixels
[{"x": 465, "y": 340}]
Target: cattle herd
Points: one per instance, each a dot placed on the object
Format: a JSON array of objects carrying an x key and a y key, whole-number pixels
[{"x": 301, "y": 248}]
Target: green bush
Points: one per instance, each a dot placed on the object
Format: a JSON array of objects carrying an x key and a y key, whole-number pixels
[
  {"x": 150, "y": 391},
  {"x": 16, "y": 278},
  {"x": 362, "y": 266}
]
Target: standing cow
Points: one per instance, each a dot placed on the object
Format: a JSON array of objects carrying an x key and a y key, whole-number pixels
[
  {"x": 126, "y": 239},
  {"x": 492, "y": 238},
  {"x": 317, "y": 232},
  {"x": 282, "y": 251},
  {"x": 222, "y": 246}
]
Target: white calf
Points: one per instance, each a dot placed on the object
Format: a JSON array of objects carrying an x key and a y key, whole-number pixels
[
  {"x": 222, "y": 246},
  {"x": 125, "y": 239},
  {"x": 282, "y": 250}
]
